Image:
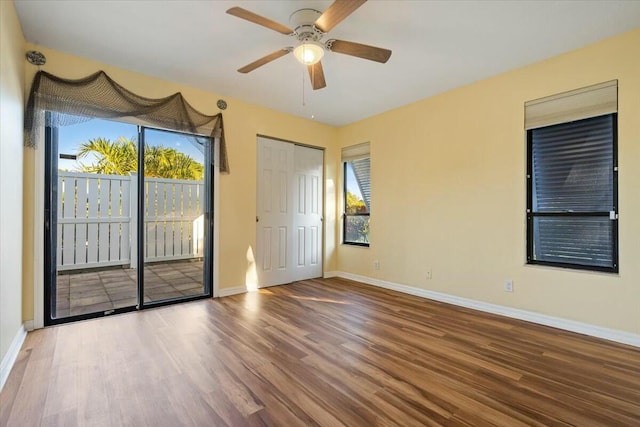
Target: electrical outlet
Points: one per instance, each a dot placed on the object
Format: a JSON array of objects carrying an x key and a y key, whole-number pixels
[
  {"x": 376, "y": 265},
  {"x": 429, "y": 276},
  {"x": 508, "y": 285}
]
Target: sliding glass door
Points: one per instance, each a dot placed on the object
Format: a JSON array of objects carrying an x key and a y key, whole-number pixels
[
  {"x": 177, "y": 208},
  {"x": 128, "y": 214}
]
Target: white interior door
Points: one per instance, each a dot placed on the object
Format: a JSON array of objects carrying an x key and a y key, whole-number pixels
[
  {"x": 289, "y": 212},
  {"x": 275, "y": 174},
  {"x": 307, "y": 213}
]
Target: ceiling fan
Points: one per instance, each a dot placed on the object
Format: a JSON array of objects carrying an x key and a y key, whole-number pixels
[{"x": 309, "y": 27}]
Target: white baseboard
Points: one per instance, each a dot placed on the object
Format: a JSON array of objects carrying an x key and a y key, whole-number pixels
[
  {"x": 330, "y": 274},
  {"x": 529, "y": 316},
  {"x": 29, "y": 325},
  {"x": 227, "y": 292},
  {"x": 12, "y": 354}
]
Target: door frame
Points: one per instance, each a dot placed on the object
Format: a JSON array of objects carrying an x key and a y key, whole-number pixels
[
  {"x": 42, "y": 262},
  {"x": 323, "y": 193},
  {"x": 209, "y": 244}
]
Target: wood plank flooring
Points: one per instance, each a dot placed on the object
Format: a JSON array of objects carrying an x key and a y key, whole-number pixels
[{"x": 325, "y": 352}]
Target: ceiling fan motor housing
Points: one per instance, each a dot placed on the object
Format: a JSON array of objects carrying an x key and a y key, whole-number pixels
[{"x": 302, "y": 22}]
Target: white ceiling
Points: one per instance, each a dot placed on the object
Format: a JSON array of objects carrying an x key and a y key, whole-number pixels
[{"x": 437, "y": 45}]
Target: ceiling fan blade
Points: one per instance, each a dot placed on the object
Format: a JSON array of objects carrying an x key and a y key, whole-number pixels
[
  {"x": 339, "y": 10},
  {"x": 364, "y": 51},
  {"x": 317, "y": 76},
  {"x": 264, "y": 60},
  {"x": 260, "y": 20}
]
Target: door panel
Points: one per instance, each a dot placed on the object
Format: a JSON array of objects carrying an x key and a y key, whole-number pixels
[
  {"x": 307, "y": 219},
  {"x": 176, "y": 209},
  {"x": 89, "y": 270},
  {"x": 275, "y": 170},
  {"x": 283, "y": 247}
]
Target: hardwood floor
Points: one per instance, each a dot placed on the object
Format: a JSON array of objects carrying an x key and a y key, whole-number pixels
[{"x": 320, "y": 352}]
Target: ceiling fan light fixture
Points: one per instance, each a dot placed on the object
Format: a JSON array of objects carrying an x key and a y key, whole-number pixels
[{"x": 309, "y": 52}]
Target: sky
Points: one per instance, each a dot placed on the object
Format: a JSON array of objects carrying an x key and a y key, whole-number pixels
[
  {"x": 70, "y": 137},
  {"x": 352, "y": 184}
]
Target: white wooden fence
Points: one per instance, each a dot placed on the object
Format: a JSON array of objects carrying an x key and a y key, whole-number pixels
[{"x": 97, "y": 220}]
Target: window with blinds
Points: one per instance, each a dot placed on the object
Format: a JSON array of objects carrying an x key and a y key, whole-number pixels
[{"x": 572, "y": 191}]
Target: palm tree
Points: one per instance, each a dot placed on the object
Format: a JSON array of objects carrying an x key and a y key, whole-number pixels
[
  {"x": 121, "y": 158},
  {"x": 112, "y": 158},
  {"x": 165, "y": 162}
]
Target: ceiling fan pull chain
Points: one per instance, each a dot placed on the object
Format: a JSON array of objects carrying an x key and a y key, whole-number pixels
[{"x": 304, "y": 104}]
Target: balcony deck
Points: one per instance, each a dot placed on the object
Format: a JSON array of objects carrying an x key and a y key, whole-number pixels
[{"x": 106, "y": 289}]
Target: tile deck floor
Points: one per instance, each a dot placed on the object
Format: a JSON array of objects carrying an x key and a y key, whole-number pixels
[{"x": 101, "y": 290}]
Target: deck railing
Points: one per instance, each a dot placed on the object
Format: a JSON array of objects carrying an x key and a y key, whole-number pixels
[{"x": 97, "y": 220}]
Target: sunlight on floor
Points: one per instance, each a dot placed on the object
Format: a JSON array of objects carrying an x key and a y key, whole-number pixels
[
  {"x": 332, "y": 301},
  {"x": 251, "y": 276}
]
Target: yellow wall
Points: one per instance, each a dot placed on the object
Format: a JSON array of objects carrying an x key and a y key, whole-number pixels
[
  {"x": 242, "y": 123},
  {"x": 448, "y": 186},
  {"x": 11, "y": 113},
  {"x": 448, "y": 192}
]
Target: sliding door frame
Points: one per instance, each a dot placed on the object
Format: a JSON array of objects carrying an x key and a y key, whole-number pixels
[
  {"x": 43, "y": 289},
  {"x": 208, "y": 211}
]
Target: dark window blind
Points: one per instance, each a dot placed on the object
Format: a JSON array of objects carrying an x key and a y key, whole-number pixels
[
  {"x": 582, "y": 241},
  {"x": 572, "y": 193},
  {"x": 573, "y": 166}
]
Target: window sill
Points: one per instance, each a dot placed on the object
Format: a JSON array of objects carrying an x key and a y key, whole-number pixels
[
  {"x": 574, "y": 267},
  {"x": 361, "y": 245}
]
